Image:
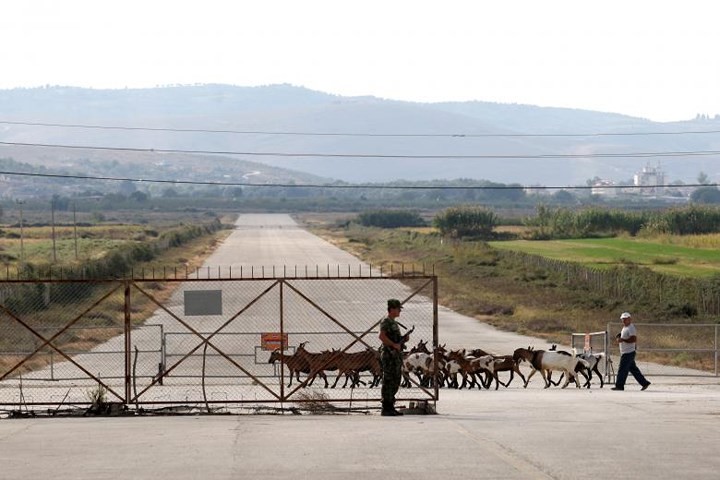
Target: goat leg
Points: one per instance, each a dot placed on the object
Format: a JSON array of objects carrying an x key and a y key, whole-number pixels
[
  {"x": 521, "y": 375},
  {"x": 510, "y": 380},
  {"x": 532, "y": 372},
  {"x": 547, "y": 382},
  {"x": 588, "y": 376},
  {"x": 555, "y": 384},
  {"x": 567, "y": 380},
  {"x": 595, "y": 369}
]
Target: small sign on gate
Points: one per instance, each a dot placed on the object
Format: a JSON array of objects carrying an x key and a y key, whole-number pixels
[{"x": 273, "y": 340}]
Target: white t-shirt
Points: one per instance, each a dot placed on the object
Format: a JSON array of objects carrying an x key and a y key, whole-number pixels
[{"x": 626, "y": 333}]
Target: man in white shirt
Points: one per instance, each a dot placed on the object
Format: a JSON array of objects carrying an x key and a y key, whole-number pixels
[{"x": 626, "y": 340}]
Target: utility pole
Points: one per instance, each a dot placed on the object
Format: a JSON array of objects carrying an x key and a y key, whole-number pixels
[
  {"x": 75, "y": 228},
  {"x": 22, "y": 232},
  {"x": 52, "y": 209}
]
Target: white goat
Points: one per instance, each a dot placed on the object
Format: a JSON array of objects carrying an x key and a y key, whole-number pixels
[
  {"x": 593, "y": 359},
  {"x": 423, "y": 366},
  {"x": 545, "y": 361}
]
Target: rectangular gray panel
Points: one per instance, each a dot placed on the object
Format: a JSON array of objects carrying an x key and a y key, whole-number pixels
[{"x": 203, "y": 302}]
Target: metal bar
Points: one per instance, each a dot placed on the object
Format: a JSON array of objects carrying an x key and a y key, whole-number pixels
[
  {"x": 282, "y": 341},
  {"x": 128, "y": 343},
  {"x": 436, "y": 330}
]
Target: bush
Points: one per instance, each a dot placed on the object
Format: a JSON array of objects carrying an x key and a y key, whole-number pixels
[
  {"x": 706, "y": 195},
  {"x": 390, "y": 219},
  {"x": 466, "y": 221}
]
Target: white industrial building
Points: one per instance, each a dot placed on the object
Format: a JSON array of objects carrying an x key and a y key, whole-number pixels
[{"x": 651, "y": 179}]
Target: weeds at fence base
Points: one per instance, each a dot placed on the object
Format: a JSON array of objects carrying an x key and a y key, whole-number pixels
[
  {"x": 313, "y": 405},
  {"x": 318, "y": 403},
  {"x": 99, "y": 404}
]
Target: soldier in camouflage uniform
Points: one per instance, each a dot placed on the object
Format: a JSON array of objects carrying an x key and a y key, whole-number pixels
[{"x": 391, "y": 357}]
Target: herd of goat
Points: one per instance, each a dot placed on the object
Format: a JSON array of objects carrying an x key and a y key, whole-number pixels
[{"x": 423, "y": 367}]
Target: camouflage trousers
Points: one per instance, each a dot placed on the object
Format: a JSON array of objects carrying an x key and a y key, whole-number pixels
[{"x": 392, "y": 374}]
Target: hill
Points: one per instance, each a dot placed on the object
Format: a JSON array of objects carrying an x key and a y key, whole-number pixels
[{"x": 353, "y": 136}]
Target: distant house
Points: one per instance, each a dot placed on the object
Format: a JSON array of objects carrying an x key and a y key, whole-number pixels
[
  {"x": 651, "y": 179},
  {"x": 604, "y": 188},
  {"x": 539, "y": 190}
]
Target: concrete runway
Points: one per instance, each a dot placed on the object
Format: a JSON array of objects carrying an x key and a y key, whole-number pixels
[{"x": 672, "y": 430}]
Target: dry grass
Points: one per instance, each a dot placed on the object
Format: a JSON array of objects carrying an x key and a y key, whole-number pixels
[
  {"x": 315, "y": 402},
  {"x": 694, "y": 241}
]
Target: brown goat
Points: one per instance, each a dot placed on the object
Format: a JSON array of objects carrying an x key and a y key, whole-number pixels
[
  {"x": 318, "y": 363},
  {"x": 351, "y": 364},
  {"x": 506, "y": 363},
  {"x": 468, "y": 367},
  {"x": 294, "y": 363}
]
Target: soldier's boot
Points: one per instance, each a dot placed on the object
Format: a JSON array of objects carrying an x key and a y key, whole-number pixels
[{"x": 388, "y": 410}]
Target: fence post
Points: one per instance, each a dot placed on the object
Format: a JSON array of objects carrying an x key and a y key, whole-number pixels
[
  {"x": 608, "y": 360},
  {"x": 163, "y": 355},
  {"x": 282, "y": 342},
  {"x": 716, "y": 345},
  {"x": 436, "y": 340},
  {"x": 127, "y": 340}
]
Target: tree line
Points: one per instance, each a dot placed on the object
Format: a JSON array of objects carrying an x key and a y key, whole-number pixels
[
  {"x": 557, "y": 223},
  {"x": 551, "y": 222}
]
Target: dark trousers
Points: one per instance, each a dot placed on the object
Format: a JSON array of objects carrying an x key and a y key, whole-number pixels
[
  {"x": 392, "y": 371},
  {"x": 628, "y": 365}
]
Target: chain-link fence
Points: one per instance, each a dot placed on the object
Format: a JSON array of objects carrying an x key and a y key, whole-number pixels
[
  {"x": 681, "y": 350},
  {"x": 678, "y": 349},
  {"x": 220, "y": 343}
]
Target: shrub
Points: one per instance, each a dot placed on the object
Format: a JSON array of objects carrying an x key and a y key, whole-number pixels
[
  {"x": 390, "y": 219},
  {"x": 466, "y": 221}
]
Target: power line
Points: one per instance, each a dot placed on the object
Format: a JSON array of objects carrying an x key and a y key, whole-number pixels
[
  {"x": 356, "y": 134},
  {"x": 350, "y": 186},
  {"x": 689, "y": 153}
]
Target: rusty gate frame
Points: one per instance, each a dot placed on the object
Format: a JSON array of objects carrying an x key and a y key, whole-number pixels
[
  {"x": 47, "y": 342},
  {"x": 134, "y": 284}
]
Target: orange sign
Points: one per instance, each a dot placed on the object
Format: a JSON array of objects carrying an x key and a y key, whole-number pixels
[{"x": 273, "y": 340}]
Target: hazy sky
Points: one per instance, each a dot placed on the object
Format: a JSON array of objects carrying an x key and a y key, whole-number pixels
[{"x": 655, "y": 59}]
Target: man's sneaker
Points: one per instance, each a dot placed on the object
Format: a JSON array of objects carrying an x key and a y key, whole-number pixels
[
  {"x": 620, "y": 389},
  {"x": 644, "y": 387}
]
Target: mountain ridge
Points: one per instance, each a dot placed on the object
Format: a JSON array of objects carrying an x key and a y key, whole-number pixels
[{"x": 355, "y": 139}]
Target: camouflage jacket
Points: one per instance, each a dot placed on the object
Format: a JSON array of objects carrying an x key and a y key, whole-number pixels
[{"x": 392, "y": 330}]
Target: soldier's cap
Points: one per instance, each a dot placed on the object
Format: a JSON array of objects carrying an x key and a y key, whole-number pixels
[{"x": 394, "y": 303}]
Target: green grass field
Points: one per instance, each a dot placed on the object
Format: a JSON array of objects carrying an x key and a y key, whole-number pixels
[{"x": 660, "y": 256}]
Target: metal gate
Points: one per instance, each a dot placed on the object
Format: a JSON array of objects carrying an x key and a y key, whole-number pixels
[{"x": 222, "y": 344}]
